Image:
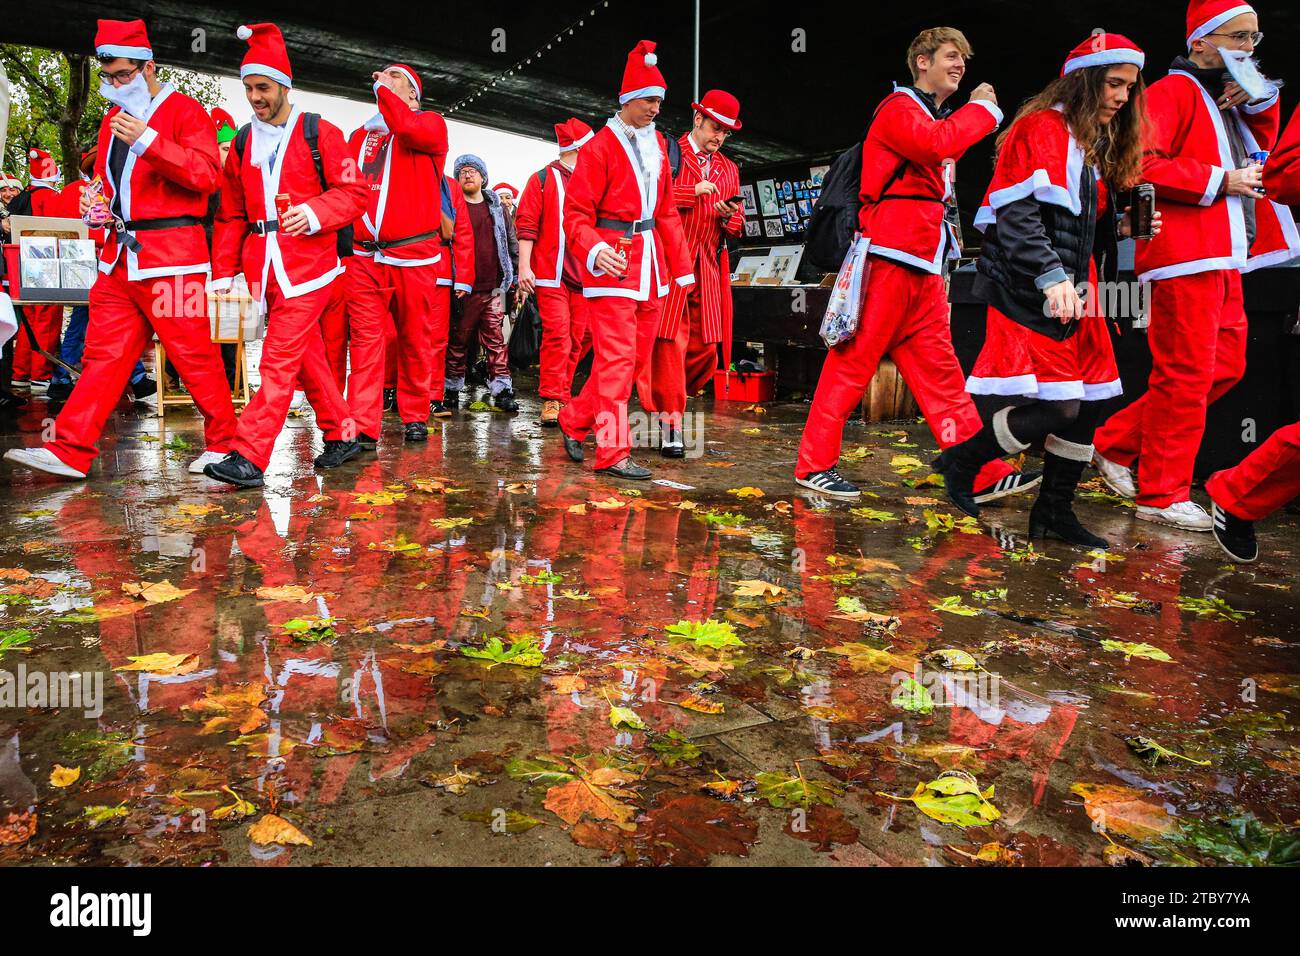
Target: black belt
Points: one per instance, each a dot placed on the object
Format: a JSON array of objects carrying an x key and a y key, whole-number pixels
[
  {"x": 629, "y": 229},
  {"x": 124, "y": 228},
  {"x": 261, "y": 227},
  {"x": 371, "y": 245}
]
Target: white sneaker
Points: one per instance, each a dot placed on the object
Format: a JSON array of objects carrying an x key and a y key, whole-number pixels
[
  {"x": 1117, "y": 477},
  {"x": 40, "y": 385},
  {"x": 299, "y": 403},
  {"x": 205, "y": 459},
  {"x": 1184, "y": 515},
  {"x": 42, "y": 459}
]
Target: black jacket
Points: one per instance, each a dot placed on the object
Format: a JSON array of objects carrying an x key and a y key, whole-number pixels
[{"x": 1034, "y": 245}]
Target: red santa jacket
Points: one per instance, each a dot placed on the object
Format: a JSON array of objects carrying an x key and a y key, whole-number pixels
[
  {"x": 170, "y": 171},
  {"x": 704, "y": 230},
  {"x": 404, "y": 164},
  {"x": 1188, "y": 156},
  {"x": 607, "y": 184},
  {"x": 904, "y": 155},
  {"x": 457, "y": 269},
  {"x": 1282, "y": 171},
  {"x": 304, "y": 263},
  {"x": 540, "y": 217},
  {"x": 46, "y": 200}
]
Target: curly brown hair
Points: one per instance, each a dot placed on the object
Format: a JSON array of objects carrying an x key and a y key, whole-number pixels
[{"x": 1116, "y": 148}]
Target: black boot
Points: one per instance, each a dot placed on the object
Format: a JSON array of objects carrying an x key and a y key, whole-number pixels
[
  {"x": 505, "y": 401},
  {"x": 451, "y": 399},
  {"x": 573, "y": 448},
  {"x": 366, "y": 442},
  {"x": 1053, "y": 513},
  {"x": 416, "y": 431},
  {"x": 235, "y": 470},
  {"x": 337, "y": 453},
  {"x": 961, "y": 463}
]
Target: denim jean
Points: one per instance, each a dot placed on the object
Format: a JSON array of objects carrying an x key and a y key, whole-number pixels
[{"x": 74, "y": 343}]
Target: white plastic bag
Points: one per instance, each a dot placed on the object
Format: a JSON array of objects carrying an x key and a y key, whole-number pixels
[{"x": 844, "y": 311}]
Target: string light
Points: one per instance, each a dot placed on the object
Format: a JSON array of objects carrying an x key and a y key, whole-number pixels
[{"x": 527, "y": 61}]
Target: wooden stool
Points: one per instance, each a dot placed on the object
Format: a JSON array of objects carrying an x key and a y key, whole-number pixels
[
  {"x": 888, "y": 398},
  {"x": 216, "y": 304}
]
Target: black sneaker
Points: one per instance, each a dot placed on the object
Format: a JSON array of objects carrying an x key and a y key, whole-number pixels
[
  {"x": 1012, "y": 484},
  {"x": 573, "y": 448},
  {"x": 627, "y": 468},
  {"x": 438, "y": 410},
  {"x": 337, "y": 453},
  {"x": 1235, "y": 536},
  {"x": 144, "y": 388},
  {"x": 366, "y": 442},
  {"x": 504, "y": 400},
  {"x": 390, "y": 399},
  {"x": 235, "y": 470},
  {"x": 59, "y": 391},
  {"x": 451, "y": 399},
  {"x": 416, "y": 431},
  {"x": 830, "y": 482}
]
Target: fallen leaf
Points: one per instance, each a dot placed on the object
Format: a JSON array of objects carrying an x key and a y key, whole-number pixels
[
  {"x": 288, "y": 592},
  {"x": 1135, "y": 650},
  {"x": 162, "y": 663},
  {"x": 822, "y": 826},
  {"x": 954, "y": 798},
  {"x": 572, "y": 800},
  {"x": 1122, "y": 810},
  {"x": 159, "y": 593},
  {"x": 62, "y": 776},
  {"x": 746, "y": 492},
  {"x": 753, "y": 588},
  {"x": 272, "y": 829}
]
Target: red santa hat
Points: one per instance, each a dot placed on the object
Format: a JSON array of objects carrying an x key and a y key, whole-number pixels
[
  {"x": 641, "y": 76},
  {"x": 9, "y": 182},
  {"x": 500, "y": 188},
  {"x": 1104, "y": 49},
  {"x": 41, "y": 166},
  {"x": 267, "y": 54},
  {"x": 721, "y": 107},
  {"x": 411, "y": 76},
  {"x": 1206, "y": 16},
  {"x": 126, "y": 38},
  {"x": 572, "y": 134}
]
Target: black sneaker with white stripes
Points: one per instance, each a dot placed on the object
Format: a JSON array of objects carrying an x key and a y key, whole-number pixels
[
  {"x": 1012, "y": 484},
  {"x": 830, "y": 482},
  {"x": 1235, "y": 536}
]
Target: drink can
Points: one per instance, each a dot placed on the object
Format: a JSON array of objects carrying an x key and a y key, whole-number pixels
[
  {"x": 1259, "y": 156},
  {"x": 282, "y": 205}
]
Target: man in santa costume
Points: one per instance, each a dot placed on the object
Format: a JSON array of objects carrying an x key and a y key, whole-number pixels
[
  {"x": 278, "y": 225},
  {"x": 44, "y": 191},
  {"x": 400, "y": 153},
  {"x": 1270, "y": 475},
  {"x": 1218, "y": 224},
  {"x": 620, "y": 218},
  {"x": 694, "y": 321},
  {"x": 157, "y": 159},
  {"x": 549, "y": 270},
  {"x": 909, "y": 213}
]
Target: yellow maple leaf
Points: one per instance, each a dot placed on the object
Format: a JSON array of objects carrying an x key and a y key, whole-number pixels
[
  {"x": 272, "y": 829},
  {"x": 286, "y": 592},
  {"x": 746, "y": 492},
  {"x": 62, "y": 776},
  {"x": 162, "y": 663},
  {"x": 753, "y": 588}
]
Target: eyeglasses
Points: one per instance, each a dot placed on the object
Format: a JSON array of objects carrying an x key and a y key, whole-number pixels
[
  {"x": 1241, "y": 37},
  {"x": 121, "y": 77}
]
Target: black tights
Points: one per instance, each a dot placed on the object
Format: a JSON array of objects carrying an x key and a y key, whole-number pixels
[{"x": 1073, "y": 420}]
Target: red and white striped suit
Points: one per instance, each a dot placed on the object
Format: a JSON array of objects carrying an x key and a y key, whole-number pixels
[{"x": 694, "y": 321}]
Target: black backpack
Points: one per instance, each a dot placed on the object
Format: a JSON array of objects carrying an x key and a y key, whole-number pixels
[
  {"x": 835, "y": 218},
  {"x": 311, "y": 133}
]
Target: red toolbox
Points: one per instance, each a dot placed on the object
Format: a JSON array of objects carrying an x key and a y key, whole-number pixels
[{"x": 744, "y": 386}]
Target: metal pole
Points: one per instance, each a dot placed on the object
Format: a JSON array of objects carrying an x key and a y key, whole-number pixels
[{"x": 697, "y": 51}]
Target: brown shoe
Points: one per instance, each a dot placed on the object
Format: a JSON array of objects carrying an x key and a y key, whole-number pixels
[{"x": 551, "y": 412}]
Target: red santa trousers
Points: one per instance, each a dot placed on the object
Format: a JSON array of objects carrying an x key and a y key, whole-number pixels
[
  {"x": 1198, "y": 351},
  {"x": 374, "y": 290},
  {"x": 47, "y": 322},
  {"x": 678, "y": 367},
  {"x": 565, "y": 332},
  {"x": 334, "y": 329},
  {"x": 481, "y": 312},
  {"x": 1265, "y": 481},
  {"x": 622, "y": 335},
  {"x": 905, "y": 316},
  {"x": 439, "y": 329},
  {"x": 124, "y": 315},
  {"x": 293, "y": 351}
]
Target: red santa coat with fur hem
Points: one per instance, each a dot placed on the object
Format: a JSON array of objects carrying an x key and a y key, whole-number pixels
[
  {"x": 404, "y": 198},
  {"x": 1282, "y": 171},
  {"x": 299, "y": 264},
  {"x": 1188, "y": 156},
  {"x": 456, "y": 267},
  {"x": 606, "y": 185},
  {"x": 541, "y": 218},
  {"x": 704, "y": 229},
  {"x": 171, "y": 170}
]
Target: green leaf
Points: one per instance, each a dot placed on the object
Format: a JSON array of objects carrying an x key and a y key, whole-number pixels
[
  {"x": 625, "y": 717},
  {"x": 714, "y": 634},
  {"x": 782, "y": 791},
  {"x": 953, "y": 605},
  {"x": 542, "y": 577},
  {"x": 14, "y": 637},
  {"x": 954, "y": 659},
  {"x": 674, "y": 748},
  {"x": 1240, "y": 840},
  {"x": 994, "y": 594},
  {"x": 503, "y": 821},
  {"x": 912, "y": 696},
  {"x": 98, "y": 815},
  {"x": 872, "y": 514},
  {"x": 1135, "y": 650},
  {"x": 954, "y": 798},
  {"x": 1216, "y": 608},
  {"x": 1153, "y": 752},
  {"x": 525, "y": 652},
  {"x": 541, "y": 769}
]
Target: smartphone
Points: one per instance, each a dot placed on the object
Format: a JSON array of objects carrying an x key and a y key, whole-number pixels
[
  {"x": 735, "y": 200},
  {"x": 1142, "y": 213}
]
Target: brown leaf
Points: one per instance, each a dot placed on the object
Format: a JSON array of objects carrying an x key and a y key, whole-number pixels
[
  {"x": 571, "y": 800},
  {"x": 272, "y": 829},
  {"x": 18, "y": 828},
  {"x": 687, "y": 830},
  {"x": 157, "y": 593},
  {"x": 823, "y": 827}
]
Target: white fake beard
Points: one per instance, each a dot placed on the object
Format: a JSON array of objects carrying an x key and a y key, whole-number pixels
[
  {"x": 1242, "y": 67},
  {"x": 133, "y": 98},
  {"x": 647, "y": 144}
]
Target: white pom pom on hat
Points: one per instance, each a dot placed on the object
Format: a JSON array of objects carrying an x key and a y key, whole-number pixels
[
  {"x": 244, "y": 33},
  {"x": 33, "y": 154},
  {"x": 651, "y": 59}
]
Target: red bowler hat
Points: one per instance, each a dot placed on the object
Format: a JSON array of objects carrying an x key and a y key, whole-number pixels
[{"x": 721, "y": 107}]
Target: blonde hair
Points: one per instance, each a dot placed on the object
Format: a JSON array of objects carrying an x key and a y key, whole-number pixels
[{"x": 927, "y": 44}]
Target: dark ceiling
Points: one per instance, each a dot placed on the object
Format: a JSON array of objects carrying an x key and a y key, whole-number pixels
[{"x": 794, "y": 104}]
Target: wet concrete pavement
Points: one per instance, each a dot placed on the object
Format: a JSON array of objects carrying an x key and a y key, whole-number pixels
[{"x": 475, "y": 652}]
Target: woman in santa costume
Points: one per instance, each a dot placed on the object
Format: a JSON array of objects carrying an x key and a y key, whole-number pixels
[
  {"x": 1203, "y": 134},
  {"x": 909, "y": 213},
  {"x": 157, "y": 159},
  {"x": 549, "y": 269},
  {"x": 400, "y": 153},
  {"x": 620, "y": 217},
  {"x": 685, "y": 352},
  {"x": 1047, "y": 217},
  {"x": 278, "y": 225},
  {"x": 1270, "y": 475}
]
